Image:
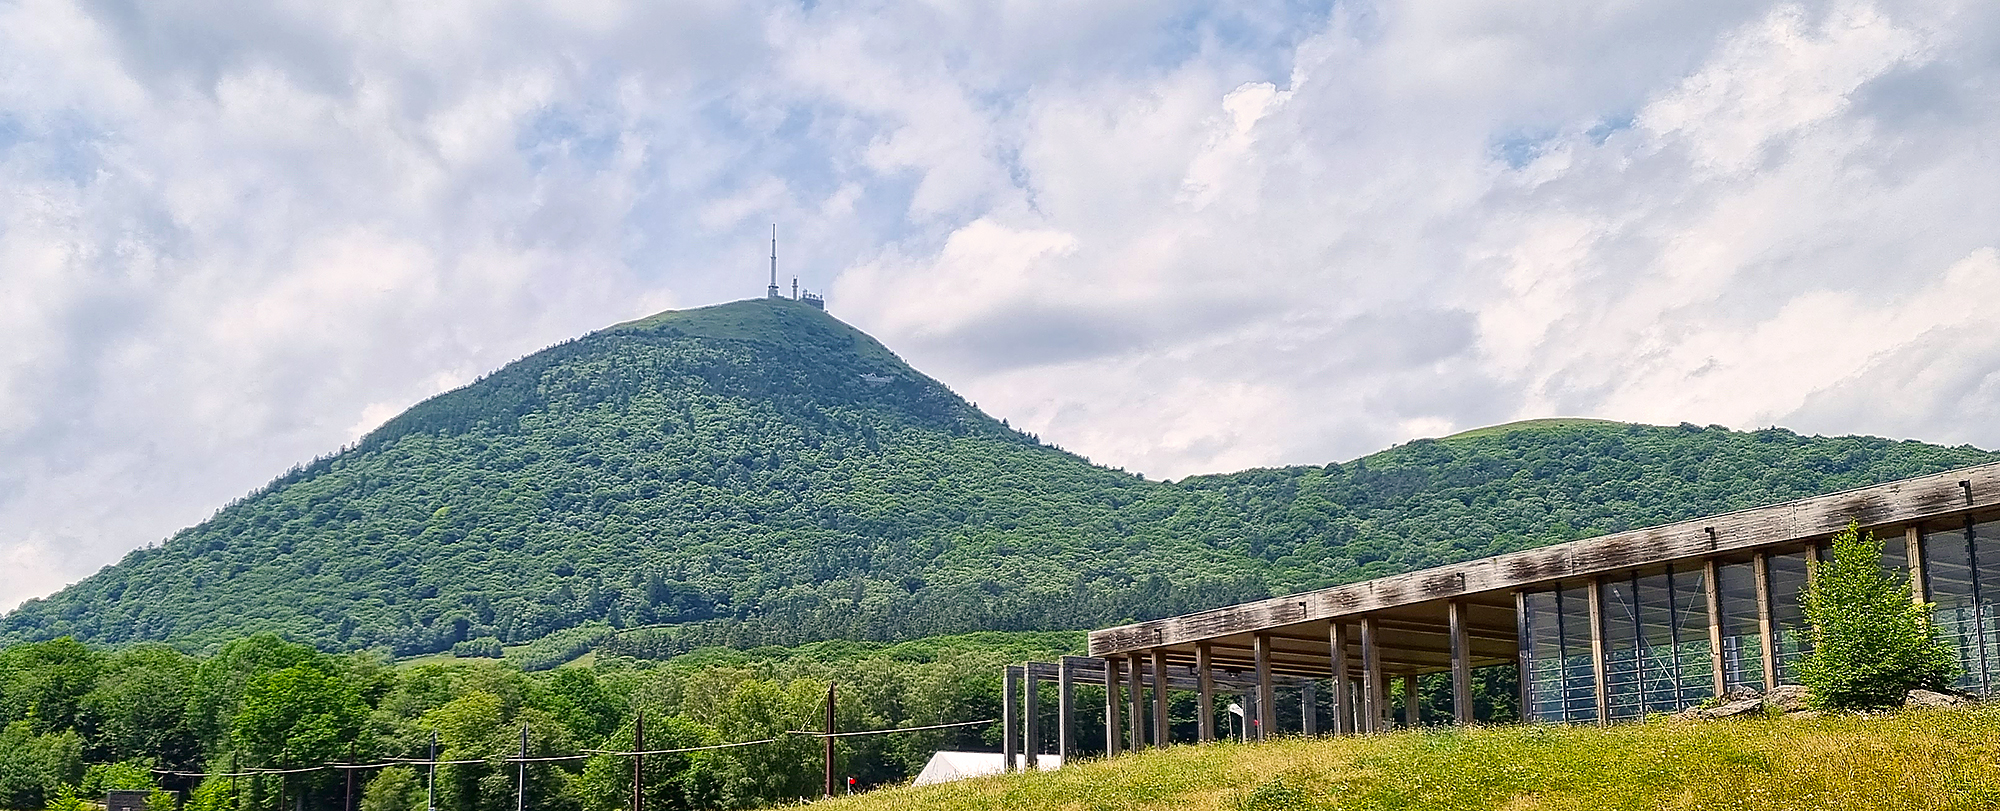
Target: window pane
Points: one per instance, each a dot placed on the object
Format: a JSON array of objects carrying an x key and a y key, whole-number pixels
[
  {"x": 1545, "y": 687},
  {"x": 1742, "y": 644},
  {"x": 1948, "y": 566},
  {"x": 1579, "y": 671},
  {"x": 1788, "y": 618},
  {"x": 1621, "y": 648},
  {"x": 1691, "y": 618}
]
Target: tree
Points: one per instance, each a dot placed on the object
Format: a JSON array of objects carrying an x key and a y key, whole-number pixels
[
  {"x": 1872, "y": 643},
  {"x": 300, "y": 715}
]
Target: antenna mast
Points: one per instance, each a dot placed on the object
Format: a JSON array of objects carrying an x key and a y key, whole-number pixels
[{"x": 772, "y": 291}]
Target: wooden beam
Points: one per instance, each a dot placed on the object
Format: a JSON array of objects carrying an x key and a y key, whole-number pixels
[
  {"x": 1413, "y": 704},
  {"x": 1461, "y": 665},
  {"x": 1160, "y": 698},
  {"x": 1595, "y": 594},
  {"x": 1308, "y": 708},
  {"x": 1010, "y": 709},
  {"x": 1913, "y": 539},
  {"x": 1135, "y": 696},
  {"x": 1343, "y": 691},
  {"x": 1065, "y": 710},
  {"x": 1113, "y": 725},
  {"x": 1711, "y": 575},
  {"x": 1266, "y": 708},
  {"x": 1371, "y": 678},
  {"x": 1031, "y": 733},
  {"x": 1894, "y": 503},
  {"x": 1524, "y": 660},
  {"x": 1767, "y": 639},
  {"x": 1205, "y": 700}
]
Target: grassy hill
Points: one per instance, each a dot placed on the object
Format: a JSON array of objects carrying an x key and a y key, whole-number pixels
[
  {"x": 760, "y": 473},
  {"x": 1944, "y": 759}
]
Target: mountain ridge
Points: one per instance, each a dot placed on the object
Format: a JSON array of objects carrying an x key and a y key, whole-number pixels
[{"x": 760, "y": 472}]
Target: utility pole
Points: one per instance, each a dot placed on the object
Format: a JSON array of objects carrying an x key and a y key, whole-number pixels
[
  {"x": 521, "y": 794},
  {"x": 235, "y": 800},
  {"x": 281, "y": 783},
  {"x": 638, "y": 761},
  {"x": 829, "y": 739},
  {"x": 430, "y": 787},
  {"x": 348, "y": 804}
]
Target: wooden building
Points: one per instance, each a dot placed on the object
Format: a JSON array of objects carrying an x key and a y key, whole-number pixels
[{"x": 1604, "y": 629}]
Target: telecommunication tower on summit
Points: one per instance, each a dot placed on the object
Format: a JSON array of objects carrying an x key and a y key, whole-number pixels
[{"x": 772, "y": 291}]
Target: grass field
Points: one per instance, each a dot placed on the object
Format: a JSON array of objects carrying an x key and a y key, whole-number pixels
[{"x": 1941, "y": 759}]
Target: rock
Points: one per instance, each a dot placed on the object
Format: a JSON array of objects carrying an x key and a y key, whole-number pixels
[
  {"x": 1739, "y": 693},
  {"x": 1927, "y": 698},
  {"x": 1734, "y": 709},
  {"x": 1787, "y": 698}
]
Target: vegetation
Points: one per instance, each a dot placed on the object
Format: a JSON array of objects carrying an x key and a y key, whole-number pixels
[
  {"x": 760, "y": 473},
  {"x": 78, "y": 721},
  {"x": 1943, "y": 759},
  {"x": 1872, "y": 642}
]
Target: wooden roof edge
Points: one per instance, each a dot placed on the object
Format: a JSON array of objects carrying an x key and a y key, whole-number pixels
[{"x": 1895, "y": 502}]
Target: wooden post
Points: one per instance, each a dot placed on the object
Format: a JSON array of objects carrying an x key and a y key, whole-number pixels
[
  {"x": 1373, "y": 699},
  {"x": 1266, "y": 708},
  {"x": 1343, "y": 685},
  {"x": 1711, "y": 575},
  {"x": 1524, "y": 663},
  {"x": 1160, "y": 736},
  {"x": 1766, "y": 625},
  {"x": 1461, "y": 663},
  {"x": 1136, "y": 699},
  {"x": 1413, "y": 703},
  {"x": 1308, "y": 708},
  {"x": 1031, "y": 713},
  {"x": 1114, "y": 726},
  {"x": 1204, "y": 674},
  {"x": 1010, "y": 717},
  {"x": 1598, "y": 667},
  {"x": 1914, "y": 541},
  {"x": 1065, "y": 709}
]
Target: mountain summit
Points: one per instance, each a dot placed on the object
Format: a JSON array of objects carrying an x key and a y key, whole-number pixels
[{"x": 760, "y": 472}]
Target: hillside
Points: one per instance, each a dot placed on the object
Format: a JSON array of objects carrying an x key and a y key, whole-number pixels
[
  {"x": 759, "y": 472},
  {"x": 1932, "y": 760}
]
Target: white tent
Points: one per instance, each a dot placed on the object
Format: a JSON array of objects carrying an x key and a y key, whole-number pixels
[{"x": 948, "y": 766}]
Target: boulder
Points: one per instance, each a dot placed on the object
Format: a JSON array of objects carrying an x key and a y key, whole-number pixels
[
  {"x": 1739, "y": 693},
  {"x": 1787, "y": 698},
  {"x": 1733, "y": 709},
  {"x": 1928, "y": 698}
]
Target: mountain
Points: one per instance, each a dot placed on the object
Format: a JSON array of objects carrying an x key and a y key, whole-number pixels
[{"x": 759, "y": 472}]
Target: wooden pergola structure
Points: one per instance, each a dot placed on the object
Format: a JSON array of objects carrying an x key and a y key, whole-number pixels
[{"x": 1452, "y": 619}]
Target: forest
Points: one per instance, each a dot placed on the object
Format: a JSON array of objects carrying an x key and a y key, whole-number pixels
[
  {"x": 760, "y": 473},
  {"x": 77, "y": 721}
]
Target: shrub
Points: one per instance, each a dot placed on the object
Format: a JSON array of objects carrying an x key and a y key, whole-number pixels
[{"x": 1872, "y": 643}]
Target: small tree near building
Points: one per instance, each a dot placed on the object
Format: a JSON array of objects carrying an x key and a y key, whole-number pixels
[{"x": 1872, "y": 642}]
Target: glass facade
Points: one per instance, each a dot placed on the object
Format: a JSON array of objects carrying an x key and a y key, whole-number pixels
[
  {"x": 1962, "y": 577},
  {"x": 1655, "y": 627}
]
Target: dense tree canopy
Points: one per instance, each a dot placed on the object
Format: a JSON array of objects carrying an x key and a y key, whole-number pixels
[{"x": 761, "y": 473}]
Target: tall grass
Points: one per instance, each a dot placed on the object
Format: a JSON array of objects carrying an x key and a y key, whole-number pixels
[{"x": 1942, "y": 759}]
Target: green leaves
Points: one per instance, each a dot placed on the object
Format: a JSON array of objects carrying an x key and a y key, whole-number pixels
[{"x": 1872, "y": 642}]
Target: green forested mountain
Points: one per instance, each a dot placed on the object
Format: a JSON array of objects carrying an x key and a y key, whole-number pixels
[{"x": 759, "y": 472}]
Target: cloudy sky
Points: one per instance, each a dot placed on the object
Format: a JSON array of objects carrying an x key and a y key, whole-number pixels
[{"x": 1176, "y": 237}]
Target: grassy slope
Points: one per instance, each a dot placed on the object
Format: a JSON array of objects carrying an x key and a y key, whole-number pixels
[{"x": 1941, "y": 759}]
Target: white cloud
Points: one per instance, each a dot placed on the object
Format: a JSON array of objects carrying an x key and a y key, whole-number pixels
[{"x": 1175, "y": 237}]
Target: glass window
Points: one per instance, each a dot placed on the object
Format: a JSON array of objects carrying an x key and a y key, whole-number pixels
[
  {"x": 1545, "y": 677},
  {"x": 1697, "y": 670},
  {"x": 1622, "y": 648},
  {"x": 1659, "y": 659},
  {"x": 1788, "y": 617},
  {"x": 1579, "y": 668},
  {"x": 1948, "y": 568},
  {"x": 1985, "y": 554},
  {"x": 1742, "y": 642}
]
